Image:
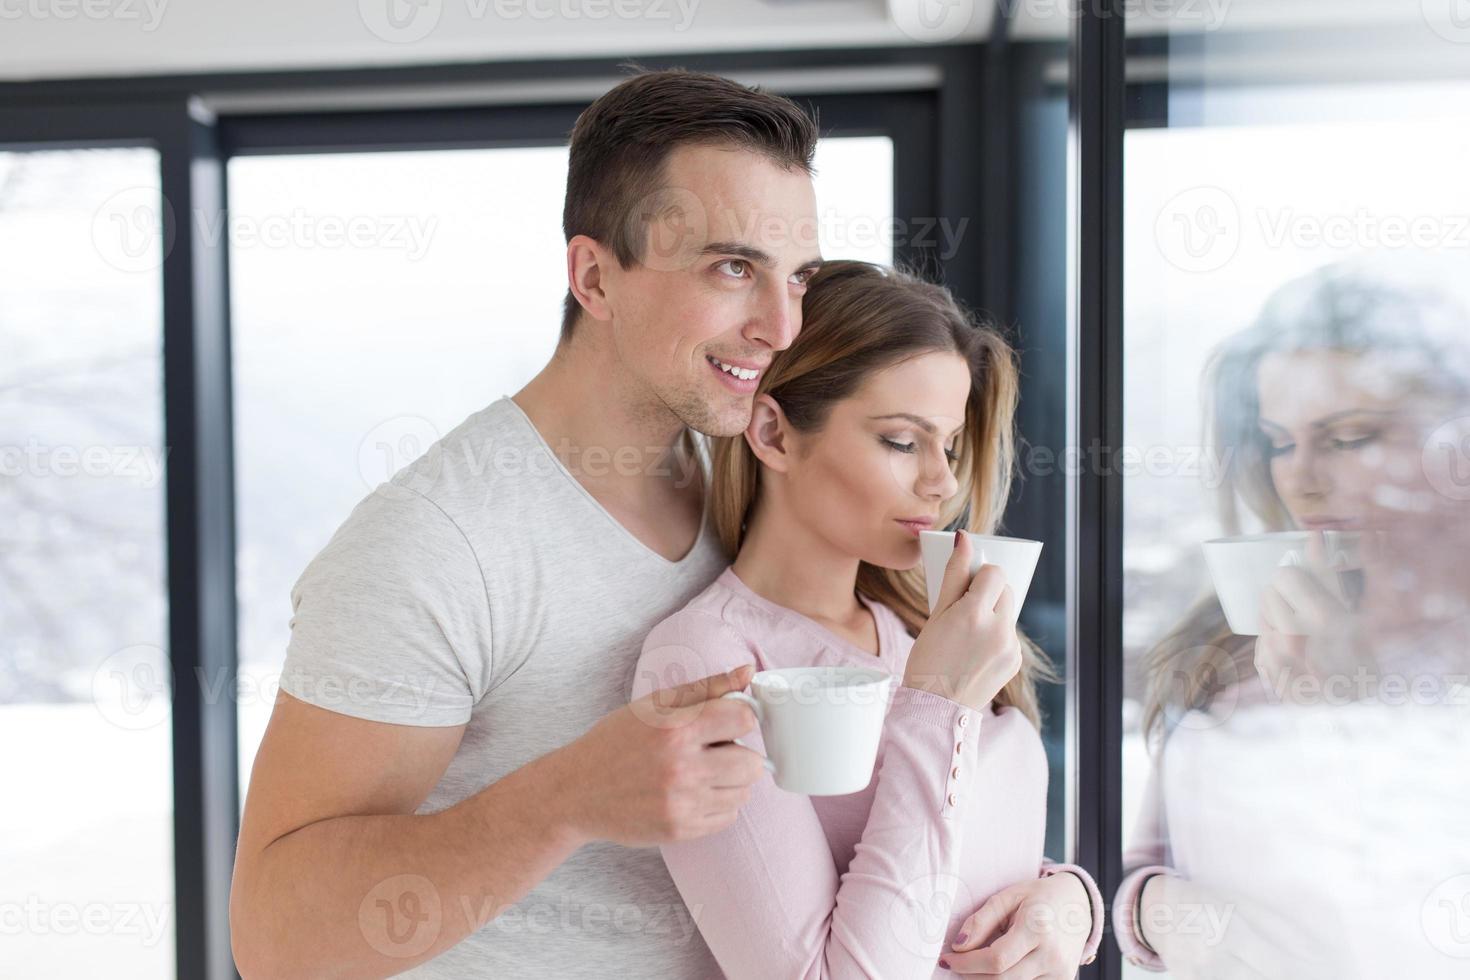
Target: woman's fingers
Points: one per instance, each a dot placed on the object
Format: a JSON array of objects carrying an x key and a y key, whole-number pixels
[
  {"x": 1001, "y": 956},
  {"x": 987, "y": 585},
  {"x": 956, "y": 574},
  {"x": 987, "y": 921},
  {"x": 1277, "y": 615},
  {"x": 1005, "y": 606},
  {"x": 1309, "y": 597}
]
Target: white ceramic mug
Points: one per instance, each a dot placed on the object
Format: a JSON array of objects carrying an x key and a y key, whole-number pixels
[
  {"x": 1016, "y": 557},
  {"x": 1242, "y": 567},
  {"x": 821, "y": 725}
]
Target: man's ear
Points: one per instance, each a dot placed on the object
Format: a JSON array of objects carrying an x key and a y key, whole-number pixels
[
  {"x": 769, "y": 434},
  {"x": 586, "y": 263}
]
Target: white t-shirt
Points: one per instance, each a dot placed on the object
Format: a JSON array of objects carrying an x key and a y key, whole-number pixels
[{"x": 483, "y": 585}]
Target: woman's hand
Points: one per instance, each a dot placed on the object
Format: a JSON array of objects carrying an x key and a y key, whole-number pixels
[
  {"x": 969, "y": 649},
  {"x": 1305, "y": 627},
  {"x": 1033, "y": 929},
  {"x": 1203, "y": 935}
]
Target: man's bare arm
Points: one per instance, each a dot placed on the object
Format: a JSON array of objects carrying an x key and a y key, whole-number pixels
[{"x": 336, "y": 876}]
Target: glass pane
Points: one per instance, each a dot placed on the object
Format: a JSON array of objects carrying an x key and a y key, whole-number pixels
[
  {"x": 380, "y": 298},
  {"x": 1297, "y": 391},
  {"x": 86, "y": 833}
]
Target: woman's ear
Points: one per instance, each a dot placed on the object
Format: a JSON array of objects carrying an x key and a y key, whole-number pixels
[{"x": 767, "y": 434}]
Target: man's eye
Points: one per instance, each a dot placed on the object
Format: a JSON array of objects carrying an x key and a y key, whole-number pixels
[
  {"x": 903, "y": 447},
  {"x": 803, "y": 277},
  {"x": 735, "y": 267}
]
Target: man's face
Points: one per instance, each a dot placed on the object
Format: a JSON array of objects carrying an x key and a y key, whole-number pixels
[{"x": 728, "y": 251}]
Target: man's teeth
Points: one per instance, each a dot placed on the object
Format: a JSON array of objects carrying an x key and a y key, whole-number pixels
[{"x": 745, "y": 374}]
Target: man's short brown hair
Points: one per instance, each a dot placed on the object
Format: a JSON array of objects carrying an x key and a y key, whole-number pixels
[{"x": 621, "y": 142}]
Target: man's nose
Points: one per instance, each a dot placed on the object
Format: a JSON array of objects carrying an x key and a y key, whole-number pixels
[{"x": 777, "y": 319}]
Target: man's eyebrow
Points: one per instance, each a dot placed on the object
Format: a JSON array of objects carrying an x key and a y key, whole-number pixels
[
  {"x": 740, "y": 249},
  {"x": 751, "y": 253},
  {"x": 918, "y": 420}
]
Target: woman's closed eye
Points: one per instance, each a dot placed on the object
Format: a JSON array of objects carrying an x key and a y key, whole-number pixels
[
  {"x": 1350, "y": 441},
  {"x": 909, "y": 447}
]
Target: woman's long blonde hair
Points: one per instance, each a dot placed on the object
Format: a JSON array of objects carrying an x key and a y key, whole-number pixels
[{"x": 859, "y": 318}]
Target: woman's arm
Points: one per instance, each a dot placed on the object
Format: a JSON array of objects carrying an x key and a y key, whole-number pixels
[
  {"x": 1095, "y": 908},
  {"x": 765, "y": 891},
  {"x": 1144, "y": 858}
]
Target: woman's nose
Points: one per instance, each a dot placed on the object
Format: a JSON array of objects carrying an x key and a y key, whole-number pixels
[
  {"x": 937, "y": 479},
  {"x": 1307, "y": 476}
]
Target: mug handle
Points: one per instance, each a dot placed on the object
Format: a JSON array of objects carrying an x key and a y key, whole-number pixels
[{"x": 760, "y": 719}]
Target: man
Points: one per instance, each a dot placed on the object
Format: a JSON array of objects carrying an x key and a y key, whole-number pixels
[{"x": 452, "y": 778}]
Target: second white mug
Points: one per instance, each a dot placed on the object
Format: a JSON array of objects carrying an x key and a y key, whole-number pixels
[
  {"x": 821, "y": 725},
  {"x": 1016, "y": 557}
]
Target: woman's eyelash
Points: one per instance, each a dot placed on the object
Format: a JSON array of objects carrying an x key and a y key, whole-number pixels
[
  {"x": 908, "y": 447},
  {"x": 1356, "y": 442}
]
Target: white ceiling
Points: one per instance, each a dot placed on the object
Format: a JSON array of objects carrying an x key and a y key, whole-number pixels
[
  {"x": 77, "y": 38},
  {"x": 58, "y": 38}
]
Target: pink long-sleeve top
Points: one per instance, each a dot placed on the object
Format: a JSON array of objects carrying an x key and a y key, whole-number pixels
[{"x": 875, "y": 883}]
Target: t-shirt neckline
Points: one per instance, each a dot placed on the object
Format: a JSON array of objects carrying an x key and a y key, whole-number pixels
[{"x": 704, "y": 508}]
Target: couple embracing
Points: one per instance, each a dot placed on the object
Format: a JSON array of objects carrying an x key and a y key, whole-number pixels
[{"x": 723, "y": 469}]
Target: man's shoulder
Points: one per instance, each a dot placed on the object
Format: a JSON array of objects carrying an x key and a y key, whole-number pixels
[
  {"x": 491, "y": 466},
  {"x": 466, "y": 453}
]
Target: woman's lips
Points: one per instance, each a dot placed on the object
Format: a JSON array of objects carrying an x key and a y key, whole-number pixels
[
  {"x": 917, "y": 525},
  {"x": 1327, "y": 523}
]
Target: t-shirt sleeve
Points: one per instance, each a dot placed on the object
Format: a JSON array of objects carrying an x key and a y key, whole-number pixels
[{"x": 391, "y": 620}]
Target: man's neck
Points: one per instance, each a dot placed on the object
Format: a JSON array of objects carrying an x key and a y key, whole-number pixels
[{"x": 617, "y": 440}]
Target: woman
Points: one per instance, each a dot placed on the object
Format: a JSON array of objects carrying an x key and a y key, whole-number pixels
[
  {"x": 1322, "y": 408},
  {"x": 891, "y": 412}
]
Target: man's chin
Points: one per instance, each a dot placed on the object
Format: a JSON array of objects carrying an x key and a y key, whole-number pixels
[{"x": 728, "y": 416}]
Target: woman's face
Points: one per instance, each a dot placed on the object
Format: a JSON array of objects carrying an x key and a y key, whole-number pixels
[
  {"x": 880, "y": 469},
  {"x": 1344, "y": 439}
]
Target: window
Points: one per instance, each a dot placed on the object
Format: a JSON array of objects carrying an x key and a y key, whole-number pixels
[
  {"x": 86, "y": 836},
  {"x": 1294, "y": 307}
]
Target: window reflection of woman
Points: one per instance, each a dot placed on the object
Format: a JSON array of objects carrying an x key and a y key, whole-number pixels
[{"x": 1320, "y": 413}]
